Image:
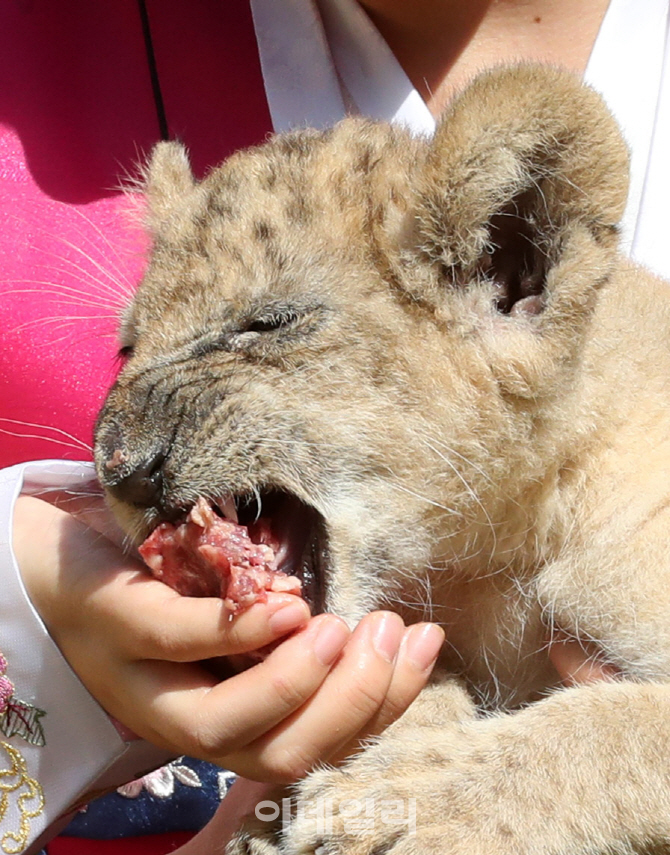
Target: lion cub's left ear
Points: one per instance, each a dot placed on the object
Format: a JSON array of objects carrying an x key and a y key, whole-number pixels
[
  {"x": 514, "y": 225},
  {"x": 168, "y": 179},
  {"x": 526, "y": 158}
]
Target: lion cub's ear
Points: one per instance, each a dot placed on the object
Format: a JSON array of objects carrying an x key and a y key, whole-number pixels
[
  {"x": 168, "y": 178},
  {"x": 514, "y": 226},
  {"x": 526, "y": 162}
]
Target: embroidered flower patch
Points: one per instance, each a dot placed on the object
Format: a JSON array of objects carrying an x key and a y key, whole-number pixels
[
  {"x": 17, "y": 717},
  {"x": 161, "y": 782}
]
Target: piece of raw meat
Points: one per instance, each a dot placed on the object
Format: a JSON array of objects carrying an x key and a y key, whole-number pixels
[{"x": 209, "y": 556}]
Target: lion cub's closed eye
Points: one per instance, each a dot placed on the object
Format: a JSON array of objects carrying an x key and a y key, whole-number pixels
[{"x": 427, "y": 366}]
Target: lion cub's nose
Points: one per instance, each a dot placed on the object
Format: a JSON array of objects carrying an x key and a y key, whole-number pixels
[{"x": 142, "y": 486}]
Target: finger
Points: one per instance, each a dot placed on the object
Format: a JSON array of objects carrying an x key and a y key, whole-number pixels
[
  {"x": 349, "y": 698},
  {"x": 418, "y": 653},
  {"x": 419, "y": 649},
  {"x": 161, "y": 624},
  {"x": 183, "y": 706},
  {"x": 146, "y": 619}
]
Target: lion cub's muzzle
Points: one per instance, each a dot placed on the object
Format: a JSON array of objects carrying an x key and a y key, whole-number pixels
[{"x": 298, "y": 529}]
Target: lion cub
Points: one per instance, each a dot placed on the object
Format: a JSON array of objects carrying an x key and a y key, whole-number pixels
[{"x": 426, "y": 363}]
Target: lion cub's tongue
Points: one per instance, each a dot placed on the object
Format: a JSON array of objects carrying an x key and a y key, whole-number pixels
[{"x": 208, "y": 556}]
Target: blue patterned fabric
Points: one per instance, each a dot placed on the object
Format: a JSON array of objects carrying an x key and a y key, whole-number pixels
[{"x": 181, "y": 796}]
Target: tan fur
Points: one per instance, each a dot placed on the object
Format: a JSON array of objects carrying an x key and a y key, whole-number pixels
[{"x": 499, "y": 471}]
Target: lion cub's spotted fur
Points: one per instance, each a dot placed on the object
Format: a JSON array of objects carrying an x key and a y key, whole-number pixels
[{"x": 437, "y": 345}]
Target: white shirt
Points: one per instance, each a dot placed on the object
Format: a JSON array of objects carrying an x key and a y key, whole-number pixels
[{"x": 322, "y": 59}]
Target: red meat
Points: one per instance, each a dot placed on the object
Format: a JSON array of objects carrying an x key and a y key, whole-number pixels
[{"x": 209, "y": 556}]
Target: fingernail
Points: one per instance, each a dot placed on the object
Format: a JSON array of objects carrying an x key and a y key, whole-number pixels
[
  {"x": 331, "y": 637},
  {"x": 423, "y": 644},
  {"x": 287, "y": 618},
  {"x": 387, "y": 635}
]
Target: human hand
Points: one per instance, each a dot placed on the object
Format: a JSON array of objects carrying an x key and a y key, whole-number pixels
[
  {"x": 137, "y": 646},
  {"x": 576, "y": 661}
]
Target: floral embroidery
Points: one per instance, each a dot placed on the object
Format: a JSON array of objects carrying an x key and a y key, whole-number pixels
[
  {"x": 161, "y": 782},
  {"x": 6, "y": 686},
  {"x": 225, "y": 781},
  {"x": 29, "y": 800},
  {"x": 17, "y": 717}
]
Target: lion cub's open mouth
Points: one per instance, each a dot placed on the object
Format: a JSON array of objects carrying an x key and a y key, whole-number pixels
[{"x": 240, "y": 548}]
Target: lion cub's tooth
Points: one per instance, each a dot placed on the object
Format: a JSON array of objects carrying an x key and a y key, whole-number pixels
[{"x": 227, "y": 507}]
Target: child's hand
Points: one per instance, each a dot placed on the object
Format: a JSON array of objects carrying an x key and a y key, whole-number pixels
[{"x": 136, "y": 646}]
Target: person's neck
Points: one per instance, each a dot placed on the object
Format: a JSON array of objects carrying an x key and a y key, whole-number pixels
[{"x": 442, "y": 44}]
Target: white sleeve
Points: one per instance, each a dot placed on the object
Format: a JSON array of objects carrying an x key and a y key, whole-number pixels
[{"x": 57, "y": 745}]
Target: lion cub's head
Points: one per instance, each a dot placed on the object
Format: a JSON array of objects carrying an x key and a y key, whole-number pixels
[{"x": 362, "y": 334}]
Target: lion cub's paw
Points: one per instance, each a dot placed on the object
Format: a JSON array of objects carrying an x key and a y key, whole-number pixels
[
  {"x": 419, "y": 808},
  {"x": 354, "y": 810},
  {"x": 255, "y": 837}
]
